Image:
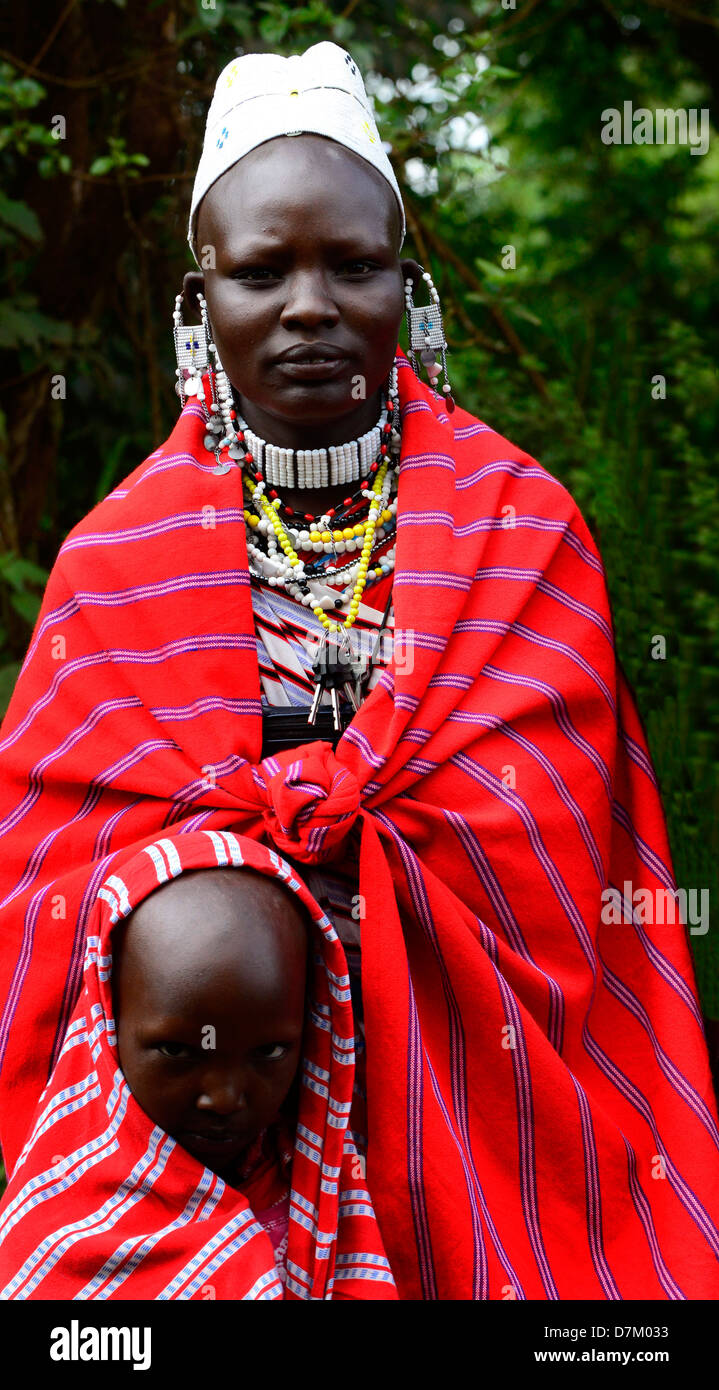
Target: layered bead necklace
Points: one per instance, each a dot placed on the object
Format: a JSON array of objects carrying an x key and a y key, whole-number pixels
[{"x": 278, "y": 541}]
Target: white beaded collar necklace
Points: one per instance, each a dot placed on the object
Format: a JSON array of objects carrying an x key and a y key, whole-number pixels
[{"x": 339, "y": 464}]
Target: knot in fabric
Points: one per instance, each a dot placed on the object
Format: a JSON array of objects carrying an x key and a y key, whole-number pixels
[{"x": 311, "y": 801}]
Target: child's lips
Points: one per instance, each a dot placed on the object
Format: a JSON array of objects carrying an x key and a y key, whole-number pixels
[{"x": 214, "y": 1142}]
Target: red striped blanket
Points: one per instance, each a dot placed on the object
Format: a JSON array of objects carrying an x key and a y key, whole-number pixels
[
  {"x": 541, "y": 1120},
  {"x": 104, "y": 1204}
]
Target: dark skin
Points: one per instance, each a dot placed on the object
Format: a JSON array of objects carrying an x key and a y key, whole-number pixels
[
  {"x": 223, "y": 950},
  {"x": 306, "y": 237}
]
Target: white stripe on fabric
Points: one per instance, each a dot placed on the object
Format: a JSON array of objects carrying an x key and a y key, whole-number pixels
[
  {"x": 169, "y": 849},
  {"x": 208, "y": 1260},
  {"x": 59, "y": 1176},
  {"x": 128, "y": 1256},
  {"x": 226, "y": 848},
  {"x": 130, "y": 1192}
]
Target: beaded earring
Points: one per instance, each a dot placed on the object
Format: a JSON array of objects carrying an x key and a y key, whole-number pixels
[
  {"x": 193, "y": 347},
  {"x": 425, "y": 332},
  {"x": 191, "y": 353}
]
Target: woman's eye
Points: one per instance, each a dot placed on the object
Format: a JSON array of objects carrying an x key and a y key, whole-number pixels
[
  {"x": 172, "y": 1049},
  {"x": 256, "y": 270},
  {"x": 273, "y": 1052},
  {"x": 259, "y": 274}
]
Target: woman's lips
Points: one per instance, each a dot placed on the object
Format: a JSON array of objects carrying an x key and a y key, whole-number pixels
[{"x": 314, "y": 371}]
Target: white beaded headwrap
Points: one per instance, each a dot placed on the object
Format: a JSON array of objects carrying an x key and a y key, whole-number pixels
[{"x": 259, "y": 96}]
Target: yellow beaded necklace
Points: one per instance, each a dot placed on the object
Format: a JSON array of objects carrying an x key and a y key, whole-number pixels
[{"x": 270, "y": 511}]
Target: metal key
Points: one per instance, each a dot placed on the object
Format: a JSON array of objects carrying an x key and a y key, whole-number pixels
[{"x": 333, "y": 666}]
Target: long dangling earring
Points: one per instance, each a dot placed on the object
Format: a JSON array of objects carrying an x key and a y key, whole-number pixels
[
  {"x": 222, "y": 407},
  {"x": 425, "y": 331},
  {"x": 191, "y": 353},
  {"x": 193, "y": 346}
]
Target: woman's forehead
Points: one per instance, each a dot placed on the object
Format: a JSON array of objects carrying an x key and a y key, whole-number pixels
[{"x": 309, "y": 176}]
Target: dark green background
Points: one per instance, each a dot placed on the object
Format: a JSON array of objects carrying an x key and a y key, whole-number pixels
[{"x": 615, "y": 283}]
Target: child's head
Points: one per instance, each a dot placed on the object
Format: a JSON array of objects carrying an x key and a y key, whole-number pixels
[{"x": 209, "y": 992}]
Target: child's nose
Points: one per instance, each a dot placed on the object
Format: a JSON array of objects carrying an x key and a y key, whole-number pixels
[{"x": 224, "y": 1094}]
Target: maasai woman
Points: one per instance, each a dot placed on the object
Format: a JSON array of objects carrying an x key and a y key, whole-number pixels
[{"x": 324, "y": 530}]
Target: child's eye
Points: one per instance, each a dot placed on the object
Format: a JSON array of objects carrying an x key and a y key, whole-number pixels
[
  {"x": 369, "y": 265},
  {"x": 273, "y": 1052},
  {"x": 173, "y": 1049}
]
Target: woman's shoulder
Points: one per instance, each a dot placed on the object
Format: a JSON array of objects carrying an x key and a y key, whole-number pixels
[
  {"x": 485, "y": 462},
  {"x": 497, "y": 485},
  {"x": 162, "y": 496}
]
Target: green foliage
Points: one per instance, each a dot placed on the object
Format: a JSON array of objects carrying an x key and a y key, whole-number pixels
[
  {"x": 118, "y": 159},
  {"x": 493, "y": 119}
]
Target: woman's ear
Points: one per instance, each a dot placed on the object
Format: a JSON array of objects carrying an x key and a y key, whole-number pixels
[
  {"x": 194, "y": 284},
  {"x": 411, "y": 270}
]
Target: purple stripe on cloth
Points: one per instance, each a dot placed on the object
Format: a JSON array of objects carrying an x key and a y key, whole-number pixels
[
  {"x": 594, "y": 1196},
  {"x": 500, "y": 906},
  {"x": 647, "y": 855},
  {"x": 469, "y": 431},
  {"x": 513, "y": 467},
  {"x": 455, "y": 680},
  {"x": 480, "y": 1272},
  {"x": 551, "y": 643},
  {"x": 495, "y": 722},
  {"x": 520, "y": 521},
  {"x": 458, "y": 1051},
  {"x": 677, "y": 1081},
  {"x": 561, "y": 715},
  {"x": 525, "y": 1138},
  {"x": 634, "y": 1096},
  {"x": 551, "y": 590},
  {"x": 664, "y": 967},
  {"x": 21, "y": 968},
  {"x": 415, "y": 1153},
  {"x": 644, "y": 1212},
  {"x": 35, "y": 778},
  {"x": 73, "y": 978},
  {"x": 412, "y": 461},
  {"x": 133, "y": 656},
  {"x": 638, "y": 756},
  {"x": 555, "y": 878},
  {"x": 92, "y": 796},
  {"x": 205, "y": 706},
  {"x": 118, "y": 598},
  {"x": 360, "y": 741},
  {"x": 190, "y": 791},
  {"x": 439, "y": 579},
  {"x": 177, "y": 522}
]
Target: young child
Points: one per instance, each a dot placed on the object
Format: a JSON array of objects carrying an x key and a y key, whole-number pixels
[
  {"x": 194, "y": 1138},
  {"x": 209, "y": 990}
]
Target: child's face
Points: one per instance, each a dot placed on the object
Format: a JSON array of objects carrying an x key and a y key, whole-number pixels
[{"x": 209, "y": 1000}]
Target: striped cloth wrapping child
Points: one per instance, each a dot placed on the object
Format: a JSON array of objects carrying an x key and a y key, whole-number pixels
[{"x": 104, "y": 1204}]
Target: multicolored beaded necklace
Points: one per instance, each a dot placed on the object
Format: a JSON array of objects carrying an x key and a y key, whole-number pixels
[
  {"x": 364, "y": 521},
  {"x": 347, "y": 527}
]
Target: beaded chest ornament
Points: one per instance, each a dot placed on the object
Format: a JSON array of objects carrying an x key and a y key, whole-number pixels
[{"x": 362, "y": 522}]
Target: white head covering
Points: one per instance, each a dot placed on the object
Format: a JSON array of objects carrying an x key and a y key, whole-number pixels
[{"x": 261, "y": 95}]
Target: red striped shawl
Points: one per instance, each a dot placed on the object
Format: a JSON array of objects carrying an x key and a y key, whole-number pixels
[
  {"x": 541, "y": 1119},
  {"x": 103, "y": 1204}
]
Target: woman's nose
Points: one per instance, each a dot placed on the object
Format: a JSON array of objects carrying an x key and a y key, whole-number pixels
[
  {"x": 309, "y": 300},
  {"x": 223, "y": 1094}
]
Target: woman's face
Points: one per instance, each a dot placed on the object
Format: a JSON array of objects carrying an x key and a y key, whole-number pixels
[{"x": 305, "y": 237}]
